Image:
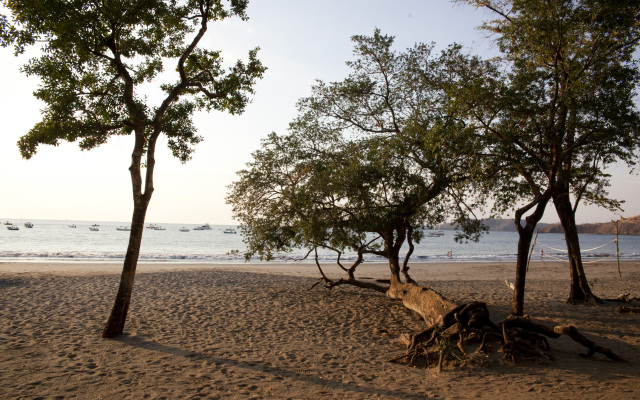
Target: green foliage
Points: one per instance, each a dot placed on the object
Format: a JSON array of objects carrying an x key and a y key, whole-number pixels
[
  {"x": 96, "y": 55},
  {"x": 370, "y": 157},
  {"x": 562, "y": 108}
]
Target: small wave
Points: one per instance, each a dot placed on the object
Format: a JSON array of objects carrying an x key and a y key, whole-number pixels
[{"x": 238, "y": 257}]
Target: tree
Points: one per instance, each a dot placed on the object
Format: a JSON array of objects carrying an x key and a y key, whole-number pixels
[
  {"x": 97, "y": 56},
  {"x": 563, "y": 110},
  {"x": 369, "y": 162}
]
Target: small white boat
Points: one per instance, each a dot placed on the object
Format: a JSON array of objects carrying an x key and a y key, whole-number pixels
[
  {"x": 13, "y": 228},
  {"x": 94, "y": 228},
  {"x": 155, "y": 227},
  {"x": 184, "y": 229},
  {"x": 72, "y": 226},
  {"x": 230, "y": 230},
  {"x": 436, "y": 234},
  {"x": 123, "y": 228},
  {"x": 28, "y": 225},
  {"x": 204, "y": 227}
]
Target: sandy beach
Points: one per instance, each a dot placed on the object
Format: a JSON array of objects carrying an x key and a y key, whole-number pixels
[{"x": 257, "y": 332}]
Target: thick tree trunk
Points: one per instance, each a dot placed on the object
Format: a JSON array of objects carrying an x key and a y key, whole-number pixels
[
  {"x": 115, "y": 324},
  {"x": 430, "y": 304},
  {"x": 580, "y": 291}
]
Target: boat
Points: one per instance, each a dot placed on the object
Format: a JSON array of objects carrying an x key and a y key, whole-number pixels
[
  {"x": 13, "y": 228},
  {"x": 155, "y": 227},
  {"x": 94, "y": 228},
  {"x": 28, "y": 225},
  {"x": 184, "y": 229},
  {"x": 123, "y": 228},
  {"x": 229, "y": 230},
  {"x": 436, "y": 232},
  {"x": 8, "y": 223},
  {"x": 95, "y": 225},
  {"x": 72, "y": 226},
  {"x": 204, "y": 227}
]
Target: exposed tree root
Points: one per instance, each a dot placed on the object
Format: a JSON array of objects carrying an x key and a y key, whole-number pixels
[
  {"x": 628, "y": 310},
  {"x": 519, "y": 338},
  {"x": 625, "y": 298},
  {"x": 453, "y": 328}
]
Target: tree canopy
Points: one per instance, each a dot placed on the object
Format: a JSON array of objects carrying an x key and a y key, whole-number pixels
[
  {"x": 97, "y": 55},
  {"x": 368, "y": 162}
]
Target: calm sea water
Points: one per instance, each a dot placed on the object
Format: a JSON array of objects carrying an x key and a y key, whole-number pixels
[{"x": 55, "y": 241}]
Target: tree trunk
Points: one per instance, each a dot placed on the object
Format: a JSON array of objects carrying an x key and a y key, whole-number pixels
[
  {"x": 580, "y": 291},
  {"x": 430, "y": 304},
  {"x": 524, "y": 243},
  {"x": 525, "y": 234},
  {"x": 118, "y": 316}
]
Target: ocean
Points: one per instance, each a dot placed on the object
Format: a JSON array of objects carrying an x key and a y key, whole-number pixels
[{"x": 54, "y": 241}]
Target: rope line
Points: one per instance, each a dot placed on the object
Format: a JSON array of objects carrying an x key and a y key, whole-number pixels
[
  {"x": 556, "y": 258},
  {"x": 582, "y": 251},
  {"x": 595, "y": 261},
  {"x": 552, "y": 248},
  {"x": 566, "y": 251},
  {"x": 596, "y": 248}
]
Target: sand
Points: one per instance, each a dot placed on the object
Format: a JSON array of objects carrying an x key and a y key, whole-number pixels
[{"x": 256, "y": 332}]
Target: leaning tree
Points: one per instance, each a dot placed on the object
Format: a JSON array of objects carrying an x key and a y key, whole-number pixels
[
  {"x": 97, "y": 57},
  {"x": 368, "y": 163},
  {"x": 561, "y": 112}
]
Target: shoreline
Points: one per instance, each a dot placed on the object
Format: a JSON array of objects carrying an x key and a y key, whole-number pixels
[
  {"x": 257, "y": 332},
  {"x": 473, "y": 270}
]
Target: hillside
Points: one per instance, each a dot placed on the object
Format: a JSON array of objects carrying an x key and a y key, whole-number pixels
[{"x": 628, "y": 226}]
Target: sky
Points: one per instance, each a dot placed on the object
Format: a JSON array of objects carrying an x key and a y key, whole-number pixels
[{"x": 300, "y": 41}]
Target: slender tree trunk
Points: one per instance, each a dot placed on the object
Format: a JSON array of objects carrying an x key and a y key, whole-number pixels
[
  {"x": 580, "y": 291},
  {"x": 115, "y": 322},
  {"x": 118, "y": 316},
  {"x": 524, "y": 243},
  {"x": 525, "y": 234}
]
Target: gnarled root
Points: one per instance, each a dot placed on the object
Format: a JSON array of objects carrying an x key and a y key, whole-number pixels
[{"x": 518, "y": 337}]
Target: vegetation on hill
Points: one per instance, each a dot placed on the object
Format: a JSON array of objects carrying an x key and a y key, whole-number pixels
[{"x": 626, "y": 226}]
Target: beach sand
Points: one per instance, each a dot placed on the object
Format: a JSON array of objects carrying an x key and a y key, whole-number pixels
[{"x": 257, "y": 332}]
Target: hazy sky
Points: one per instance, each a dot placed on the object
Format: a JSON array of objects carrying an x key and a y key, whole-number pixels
[{"x": 300, "y": 41}]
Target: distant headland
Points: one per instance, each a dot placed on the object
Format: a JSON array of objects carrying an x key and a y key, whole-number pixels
[{"x": 626, "y": 226}]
